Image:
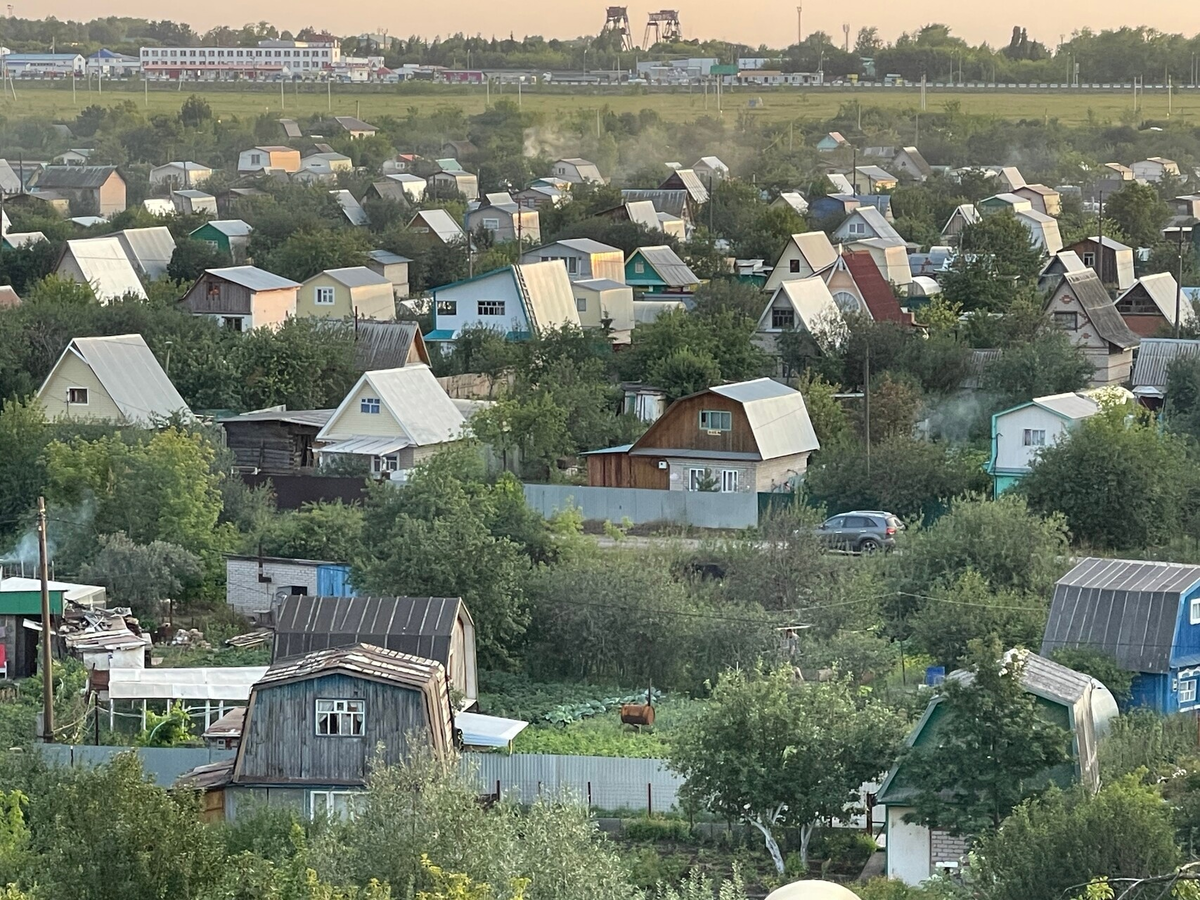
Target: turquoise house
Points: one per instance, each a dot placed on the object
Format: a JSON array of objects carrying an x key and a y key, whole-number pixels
[
  {"x": 658, "y": 272},
  {"x": 228, "y": 235},
  {"x": 1020, "y": 433}
]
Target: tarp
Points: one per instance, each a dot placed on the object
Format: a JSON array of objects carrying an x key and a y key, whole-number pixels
[
  {"x": 487, "y": 731},
  {"x": 211, "y": 683}
]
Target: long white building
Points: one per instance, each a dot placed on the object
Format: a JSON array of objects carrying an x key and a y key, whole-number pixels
[{"x": 268, "y": 59}]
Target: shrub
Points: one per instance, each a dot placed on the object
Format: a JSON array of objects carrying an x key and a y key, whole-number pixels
[{"x": 655, "y": 828}]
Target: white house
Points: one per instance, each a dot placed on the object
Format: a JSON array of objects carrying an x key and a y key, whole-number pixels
[
  {"x": 149, "y": 249},
  {"x": 891, "y": 258},
  {"x": 1020, "y": 433},
  {"x": 449, "y": 183},
  {"x": 1155, "y": 169},
  {"x": 710, "y": 169},
  {"x": 577, "y": 171},
  {"x": 184, "y": 174},
  {"x": 1082, "y": 308},
  {"x": 102, "y": 264},
  {"x": 1043, "y": 230},
  {"x": 791, "y": 200},
  {"x": 801, "y": 305},
  {"x": 866, "y": 222},
  {"x": 909, "y": 161},
  {"x": 500, "y": 216},
  {"x": 516, "y": 300},
  {"x": 395, "y": 418},
  {"x": 413, "y": 186},
  {"x": 803, "y": 256},
  {"x": 269, "y": 158},
  {"x": 584, "y": 258}
]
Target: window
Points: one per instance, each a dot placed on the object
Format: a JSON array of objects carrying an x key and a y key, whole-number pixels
[
  {"x": 1089, "y": 260},
  {"x": 331, "y": 804},
  {"x": 447, "y": 307},
  {"x": 581, "y": 304},
  {"x": 298, "y": 590},
  {"x": 255, "y": 159},
  {"x": 1034, "y": 437},
  {"x": 340, "y": 718},
  {"x": 858, "y": 228},
  {"x": 490, "y": 307},
  {"x": 783, "y": 319},
  {"x": 699, "y": 480},
  {"x": 491, "y": 224},
  {"x": 369, "y": 405},
  {"x": 716, "y": 420},
  {"x": 1195, "y": 612},
  {"x": 1187, "y": 691},
  {"x": 1067, "y": 321},
  {"x": 729, "y": 481},
  {"x": 323, "y": 296},
  {"x": 380, "y": 464},
  {"x": 794, "y": 265},
  {"x": 639, "y": 267},
  {"x": 572, "y": 265},
  {"x": 77, "y": 396}
]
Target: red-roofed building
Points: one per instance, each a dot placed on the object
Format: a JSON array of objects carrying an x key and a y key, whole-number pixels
[{"x": 876, "y": 292}]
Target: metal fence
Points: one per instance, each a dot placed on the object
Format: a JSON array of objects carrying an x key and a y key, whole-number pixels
[
  {"x": 700, "y": 509},
  {"x": 163, "y": 764},
  {"x": 607, "y": 783}
]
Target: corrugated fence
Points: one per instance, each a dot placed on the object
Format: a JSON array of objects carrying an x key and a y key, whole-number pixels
[
  {"x": 701, "y": 509},
  {"x": 163, "y": 764}
]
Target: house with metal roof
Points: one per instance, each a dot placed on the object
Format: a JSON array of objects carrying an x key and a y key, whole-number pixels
[
  {"x": 1111, "y": 260},
  {"x": 584, "y": 258},
  {"x": 503, "y": 219},
  {"x": 149, "y": 249},
  {"x": 604, "y": 303},
  {"x": 271, "y": 158},
  {"x": 710, "y": 169},
  {"x": 403, "y": 187},
  {"x": 1057, "y": 266},
  {"x": 275, "y": 440},
  {"x": 690, "y": 183},
  {"x": 576, "y": 171},
  {"x": 354, "y": 292},
  {"x": 832, "y": 141},
  {"x": 1072, "y": 700},
  {"x": 891, "y": 258},
  {"x": 242, "y": 297},
  {"x": 805, "y": 306},
  {"x": 518, "y": 301},
  {"x": 393, "y": 419},
  {"x": 657, "y": 271},
  {"x": 110, "y": 379},
  {"x": 1005, "y": 202},
  {"x": 1020, "y": 433},
  {"x": 447, "y": 183},
  {"x": 964, "y": 215},
  {"x": 878, "y": 299},
  {"x": 15, "y": 240},
  {"x": 1149, "y": 307},
  {"x": 393, "y": 267},
  {"x": 753, "y": 436},
  {"x": 909, "y": 162},
  {"x": 351, "y": 208},
  {"x": 439, "y": 225},
  {"x": 229, "y": 235},
  {"x": 350, "y": 125},
  {"x": 1043, "y": 230},
  {"x": 180, "y": 174},
  {"x": 1155, "y": 169},
  {"x": 1152, "y": 364},
  {"x": 190, "y": 202},
  {"x": 388, "y": 345},
  {"x": 792, "y": 200},
  {"x": 803, "y": 256},
  {"x": 864, "y": 223},
  {"x": 94, "y": 190},
  {"x": 1081, "y": 307},
  {"x": 1144, "y": 614},
  {"x": 876, "y": 179},
  {"x": 1045, "y": 200},
  {"x": 674, "y": 203},
  {"x": 103, "y": 265},
  {"x": 438, "y": 628}
]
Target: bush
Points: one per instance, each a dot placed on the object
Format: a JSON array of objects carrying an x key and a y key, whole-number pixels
[{"x": 649, "y": 829}]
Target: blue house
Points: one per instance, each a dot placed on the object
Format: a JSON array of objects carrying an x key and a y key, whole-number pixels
[{"x": 1146, "y": 615}]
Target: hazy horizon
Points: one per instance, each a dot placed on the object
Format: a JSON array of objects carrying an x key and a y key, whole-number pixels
[{"x": 771, "y": 24}]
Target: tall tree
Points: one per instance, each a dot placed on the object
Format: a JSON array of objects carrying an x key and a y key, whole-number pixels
[{"x": 1139, "y": 212}]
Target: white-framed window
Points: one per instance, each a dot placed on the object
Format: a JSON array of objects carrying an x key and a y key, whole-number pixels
[
  {"x": 697, "y": 479},
  {"x": 323, "y": 296},
  {"x": 1089, "y": 259},
  {"x": 639, "y": 267},
  {"x": 369, "y": 405},
  {"x": 858, "y": 228},
  {"x": 1187, "y": 691},
  {"x": 716, "y": 420},
  {"x": 1034, "y": 437},
  {"x": 846, "y": 301},
  {"x": 581, "y": 304},
  {"x": 729, "y": 481},
  {"x": 381, "y": 464},
  {"x": 331, "y": 804},
  {"x": 491, "y": 224},
  {"x": 447, "y": 307},
  {"x": 572, "y": 265},
  {"x": 341, "y": 718},
  {"x": 1194, "y": 616},
  {"x": 490, "y": 307},
  {"x": 77, "y": 396}
]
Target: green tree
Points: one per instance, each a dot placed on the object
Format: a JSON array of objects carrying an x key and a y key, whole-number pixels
[
  {"x": 997, "y": 255},
  {"x": 141, "y": 575},
  {"x": 23, "y": 437},
  {"x": 773, "y": 752},
  {"x": 1182, "y": 408},
  {"x": 1139, "y": 212},
  {"x": 322, "y": 530},
  {"x": 304, "y": 364},
  {"x": 195, "y": 112},
  {"x": 993, "y": 746},
  {"x": 1101, "y": 666},
  {"x": 1048, "y": 364},
  {"x": 192, "y": 257}
]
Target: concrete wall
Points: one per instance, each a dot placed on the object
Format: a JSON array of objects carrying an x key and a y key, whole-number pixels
[
  {"x": 699, "y": 508},
  {"x": 908, "y": 848}
]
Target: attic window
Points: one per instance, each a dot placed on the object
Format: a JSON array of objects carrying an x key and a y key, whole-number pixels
[
  {"x": 639, "y": 267},
  {"x": 716, "y": 420},
  {"x": 1195, "y": 611},
  {"x": 369, "y": 405},
  {"x": 793, "y": 265},
  {"x": 77, "y": 396},
  {"x": 1067, "y": 321},
  {"x": 783, "y": 319},
  {"x": 341, "y": 718}
]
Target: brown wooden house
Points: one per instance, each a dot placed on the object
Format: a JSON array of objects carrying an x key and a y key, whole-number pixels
[
  {"x": 275, "y": 440},
  {"x": 1111, "y": 260},
  {"x": 754, "y": 436},
  {"x": 242, "y": 297}
]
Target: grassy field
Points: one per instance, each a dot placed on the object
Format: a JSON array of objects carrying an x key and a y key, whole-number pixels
[{"x": 56, "y": 103}]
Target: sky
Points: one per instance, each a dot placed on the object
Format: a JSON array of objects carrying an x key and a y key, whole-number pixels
[{"x": 753, "y": 22}]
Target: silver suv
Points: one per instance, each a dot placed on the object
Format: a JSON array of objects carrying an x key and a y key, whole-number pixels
[{"x": 861, "y": 531}]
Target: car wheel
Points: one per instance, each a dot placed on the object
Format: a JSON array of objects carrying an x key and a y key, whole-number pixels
[{"x": 870, "y": 545}]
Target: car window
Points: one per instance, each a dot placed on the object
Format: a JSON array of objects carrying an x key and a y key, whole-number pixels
[
  {"x": 857, "y": 522},
  {"x": 835, "y": 522}
]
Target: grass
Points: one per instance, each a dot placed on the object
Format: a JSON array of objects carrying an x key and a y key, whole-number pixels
[{"x": 54, "y": 102}]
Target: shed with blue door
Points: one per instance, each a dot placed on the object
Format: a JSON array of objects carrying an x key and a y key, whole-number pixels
[{"x": 1144, "y": 614}]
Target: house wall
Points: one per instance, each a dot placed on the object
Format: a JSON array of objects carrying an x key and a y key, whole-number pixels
[
  {"x": 908, "y": 848},
  {"x": 1111, "y": 366},
  {"x": 280, "y": 743},
  {"x": 272, "y": 308},
  {"x": 616, "y": 304},
  {"x": 397, "y": 274},
  {"x": 74, "y": 372},
  {"x": 783, "y": 268},
  {"x": 246, "y": 594},
  {"x": 111, "y": 195},
  {"x": 846, "y": 232},
  {"x": 229, "y": 300},
  {"x": 1011, "y": 454},
  {"x": 679, "y": 428},
  {"x": 354, "y": 422},
  {"x": 372, "y": 301},
  {"x": 495, "y": 287},
  {"x": 271, "y": 446}
]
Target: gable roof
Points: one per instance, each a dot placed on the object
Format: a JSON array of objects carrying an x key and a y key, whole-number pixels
[
  {"x": 350, "y": 123},
  {"x": 794, "y": 200},
  {"x": 545, "y": 290},
  {"x": 876, "y": 292},
  {"x": 875, "y": 173},
  {"x": 813, "y": 306},
  {"x": 967, "y": 212},
  {"x": 690, "y": 182},
  {"x": 918, "y": 161},
  {"x": 1062, "y": 262},
  {"x": 1071, "y": 405},
  {"x": 130, "y": 373},
  {"x": 149, "y": 249},
  {"x": 874, "y": 220},
  {"x": 1125, "y": 608},
  {"x": 816, "y": 249},
  {"x": 1163, "y": 291},
  {"x": 414, "y": 399},
  {"x": 77, "y": 177},
  {"x": 105, "y": 267},
  {"x": 582, "y": 245},
  {"x": 386, "y": 345},
  {"x": 1100, "y": 309},
  {"x": 777, "y": 414},
  {"x": 1106, "y": 242},
  {"x": 421, "y": 626},
  {"x": 227, "y": 227},
  {"x": 354, "y": 276},
  {"x": 440, "y": 222},
  {"x": 643, "y": 213},
  {"x": 10, "y": 182},
  {"x": 667, "y": 265},
  {"x": 1153, "y": 363},
  {"x": 351, "y": 208},
  {"x": 290, "y": 128},
  {"x": 253, "y": 278},
  {"x": 674, "y": 202}
]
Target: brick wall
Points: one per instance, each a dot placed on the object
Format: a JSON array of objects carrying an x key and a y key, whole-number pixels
[
  {"x": 246, "y": 594},
  {"x": 945, "y": 847}
]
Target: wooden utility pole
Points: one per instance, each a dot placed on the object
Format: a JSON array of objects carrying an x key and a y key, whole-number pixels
[{"x": 47, "y": 675}]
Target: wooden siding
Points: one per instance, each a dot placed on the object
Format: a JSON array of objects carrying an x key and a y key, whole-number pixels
[
  {"x": 281, "y": 744},
  {"x": 271, "y": 446},
  {"x": 625, "y": 471},
  {"x": 353, "y": 422},
  {"x": 679, "y": 428},
  {"x": 229, "y": 300}
]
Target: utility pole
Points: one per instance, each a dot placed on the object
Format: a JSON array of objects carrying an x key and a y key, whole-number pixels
[
  {"x": 799, "y": 25},
  {"x": 867, "y": 405},
  {"x": 47, "y": 675}
]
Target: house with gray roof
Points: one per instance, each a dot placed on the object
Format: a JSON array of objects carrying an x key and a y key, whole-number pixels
[
  {"x": 585, "y": 258},
  {"x": 96, "y": 190},
  {"x": 1019, "y": 434},
  {"x": 438, "y": 224},
  {"x": 908, "y": 161},
  {"x": 690, "y": 183},
  {"x": 149, "y": 249},
  {"x": 577, "y": 171},
  {"x": 242, "y": 297},
  {"x": 1152, "y": 365},
  {"x": 655, "y": 271},
  {"x": 865, "y": 223},
  {"x": 673, "y": 202},
  {"x": 103, "y": 265},
  {"x": 1148, "y": 307},
  {"x": 1081, "y": 307},
  {"x": 518, "y": 301},
  {"x": 1144, "y": 614},
  {"x": 110, "y": 379}
]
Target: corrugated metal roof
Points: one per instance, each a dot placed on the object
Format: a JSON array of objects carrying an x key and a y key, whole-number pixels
[
  {"x": 1154, "y": 358},
  {"x": 196, "y": 195},
  {"x": 602, "y": 284},
  {"x": 795, "y": 201},
  {"x": 130, "y": 373},
  {"x": 385, "y": 345},
  {"x": 317, "y": 417},
  {"x": 387, "y": 258},
  {"x": 917, "y": 159},
  {"x": 74, "y": 177},
  {"x": 877, "y": 223},
  {"x": 1062, "y": 262},
  {"x": 1070, "y": 405},
  {"x": 228, "y": 227},
  {"x": 665, "y": 262},
  {"x": 366, "y": 446},
  {"x": 582, "y": 245},
  {"x": 351, "y": 123},
  {"x": 1100, "y": 310},
  {"x": 1125, "y": 608},
  {"x": 421, "y": 626},
  {"x": 813, "y": 306},
  {"x": 668, "y": 201},
  {"x": 876, "y": 173},
  {"x": 546, "y": 292},
  {"x": 422, "y": 410},
  {"x": 440, "y": 223},
  {"x": 149, "y": 249},
  {"x": 777, "y": 414},
  {"x": 205, "y": 683},
  {"x": 1163, "y": 291},
  {"x": 253, "y": 278},
  {"x": 104, "y": 266},
  {"x": 643, "y": 213},
  {"x": 352, "y": 209},
  {"x": 816, "y": 249},
  {"x": 356, "y": 276}
]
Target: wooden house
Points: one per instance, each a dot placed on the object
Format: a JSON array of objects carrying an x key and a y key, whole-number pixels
[
  {"x": 231, "y": 236},
  {"x": 437, "y": 628},
  {"x": 1082, "y": 308},
  {"x": 656, "y": 271},
  {"x": 1111, "y": 260},
  {"x": 964, "y": 215},
  {"x": 242, "y": 297},
  {"x": 347, "y": 293},
  {"x": 745, "y": 437},
  {"x": 803, "y": 256},
  {"x": 95, "y": 190},
  {"x": 275, "y": 440},
  {"x": 688, "y": 181},
  {"x": 1148, "y": 307}
]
